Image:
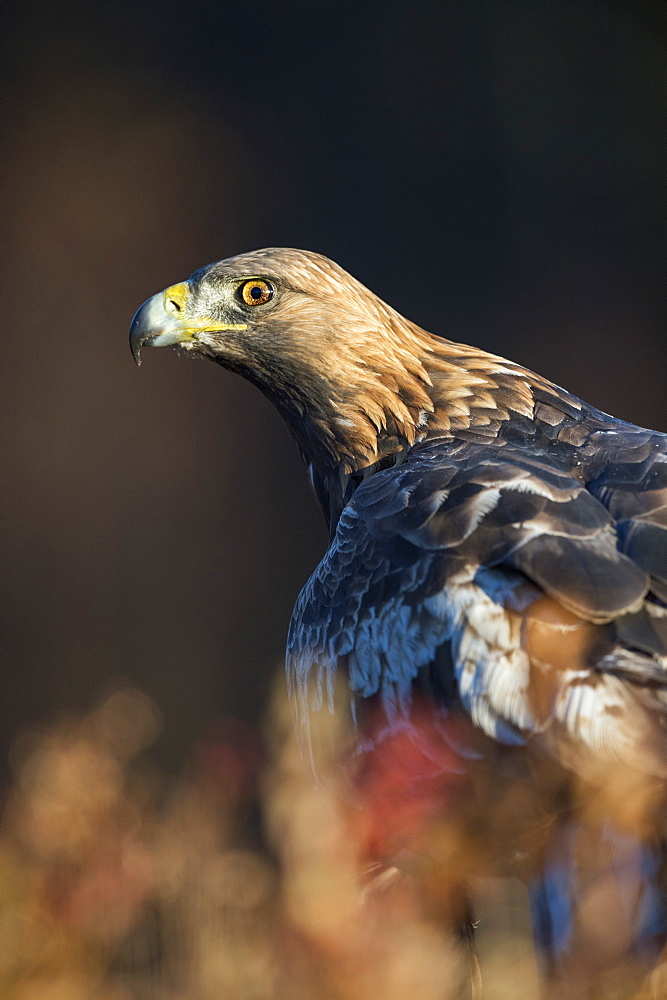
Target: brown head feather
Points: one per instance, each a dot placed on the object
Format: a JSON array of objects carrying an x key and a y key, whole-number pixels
[{"x": 355, "y": 380}]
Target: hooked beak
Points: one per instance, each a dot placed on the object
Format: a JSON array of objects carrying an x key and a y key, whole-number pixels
[{"x": 160, "y": 322}]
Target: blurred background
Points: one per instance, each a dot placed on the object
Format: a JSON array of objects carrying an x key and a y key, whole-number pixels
[{"x": 496, "y": 171}]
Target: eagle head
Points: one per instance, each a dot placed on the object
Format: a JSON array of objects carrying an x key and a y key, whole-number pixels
[
  {"x": 356, "y": 382},
  {"x": 343, "y": 367}
]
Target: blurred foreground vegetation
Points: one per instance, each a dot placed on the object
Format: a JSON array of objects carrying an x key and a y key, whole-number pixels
[{"x": 238, "y": 879}]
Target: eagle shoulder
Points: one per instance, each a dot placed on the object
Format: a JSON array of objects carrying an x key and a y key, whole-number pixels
[{"x": 514, "y": 565}]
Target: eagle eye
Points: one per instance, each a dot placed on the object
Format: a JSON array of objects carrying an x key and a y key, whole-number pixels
[{"x": 256, "y": 292}]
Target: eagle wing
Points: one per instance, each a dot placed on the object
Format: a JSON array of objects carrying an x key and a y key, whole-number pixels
[{"x": 532, "y": 598}]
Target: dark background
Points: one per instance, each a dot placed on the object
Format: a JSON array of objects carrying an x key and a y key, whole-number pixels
[{"x": 496, "y": 171}]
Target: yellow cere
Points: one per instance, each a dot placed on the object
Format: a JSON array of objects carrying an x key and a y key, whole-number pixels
[{"x": 175, "y": 298}]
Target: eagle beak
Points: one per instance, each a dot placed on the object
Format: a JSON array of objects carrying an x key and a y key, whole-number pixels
[{"x": 161, "y": 322}]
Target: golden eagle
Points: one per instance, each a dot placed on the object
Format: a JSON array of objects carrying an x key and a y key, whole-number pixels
[{"x": 498, "y": 552}]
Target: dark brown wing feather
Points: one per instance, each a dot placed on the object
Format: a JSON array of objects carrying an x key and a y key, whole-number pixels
[{"x": 501, "y": 554}]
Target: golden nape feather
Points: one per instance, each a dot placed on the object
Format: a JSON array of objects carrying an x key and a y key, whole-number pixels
[{"x": 497, "y": 566}]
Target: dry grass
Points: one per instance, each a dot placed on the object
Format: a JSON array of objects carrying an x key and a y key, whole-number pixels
[{"x": 117, "y": 884}]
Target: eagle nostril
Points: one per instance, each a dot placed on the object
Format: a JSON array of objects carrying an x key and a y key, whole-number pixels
[{"x": 174, "y": 299}]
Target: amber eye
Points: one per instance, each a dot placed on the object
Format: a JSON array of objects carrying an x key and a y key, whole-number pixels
[{"x": 256, "y": 292}]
